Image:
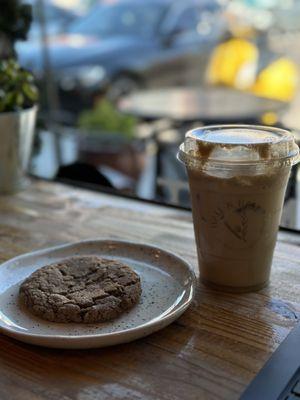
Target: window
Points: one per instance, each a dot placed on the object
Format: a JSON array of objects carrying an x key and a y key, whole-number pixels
[
  {"x": 235, "y": 61},
  {"x": 121, "y": 19},
  {"x": 187, "y": 20}
]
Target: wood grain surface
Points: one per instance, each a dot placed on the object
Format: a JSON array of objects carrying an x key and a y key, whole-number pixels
[{"x": 211, "y": 352}]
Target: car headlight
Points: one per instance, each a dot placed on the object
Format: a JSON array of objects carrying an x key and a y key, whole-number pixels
[{"x": 88, "y": 76}]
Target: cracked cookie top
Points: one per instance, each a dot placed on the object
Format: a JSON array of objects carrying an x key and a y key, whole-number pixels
[{"x": 84, "y": 289}]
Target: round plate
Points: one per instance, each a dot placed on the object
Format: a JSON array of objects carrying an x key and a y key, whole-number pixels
[{"x": 168, "y": 285}]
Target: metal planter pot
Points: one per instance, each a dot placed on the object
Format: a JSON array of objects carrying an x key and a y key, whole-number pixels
[{"x": 16, "y": 137}]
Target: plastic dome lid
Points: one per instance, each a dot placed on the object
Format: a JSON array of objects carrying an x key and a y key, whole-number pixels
[{"x": 239, "y": 144}]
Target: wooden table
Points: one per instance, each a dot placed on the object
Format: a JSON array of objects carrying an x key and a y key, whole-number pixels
[{"x": 211, "y": 352}]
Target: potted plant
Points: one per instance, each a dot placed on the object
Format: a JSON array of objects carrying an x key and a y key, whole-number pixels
[
  {"x": 107, "y": 137},
  {"x": 18, "y": 98}
]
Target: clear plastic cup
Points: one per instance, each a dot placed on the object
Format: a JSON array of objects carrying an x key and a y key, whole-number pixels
[{"x": 237, "y": 176}]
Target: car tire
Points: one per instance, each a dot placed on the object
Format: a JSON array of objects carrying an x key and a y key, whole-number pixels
[{"x": 121, "y": 86}]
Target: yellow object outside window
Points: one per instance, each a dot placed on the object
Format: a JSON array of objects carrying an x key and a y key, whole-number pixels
[{"x": 234, "y": 64}]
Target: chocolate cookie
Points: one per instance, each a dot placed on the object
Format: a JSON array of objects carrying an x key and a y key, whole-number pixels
[{"x": 84, "y": 289}]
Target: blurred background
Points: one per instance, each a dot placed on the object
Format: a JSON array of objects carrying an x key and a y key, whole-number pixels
[{"x": 121, "y": 81}]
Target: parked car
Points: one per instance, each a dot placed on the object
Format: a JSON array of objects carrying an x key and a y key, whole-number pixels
[
  {"x": 127, "y": 44},
  {"x": 57, "y": 19}
]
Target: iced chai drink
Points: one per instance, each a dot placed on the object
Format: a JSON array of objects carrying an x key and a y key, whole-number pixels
[{"x": 238, "y": 177}]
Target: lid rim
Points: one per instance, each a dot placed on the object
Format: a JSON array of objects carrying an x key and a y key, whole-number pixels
[
  {"x": 271, "y": 143},
  {"x": 285, "y": 135},
  {"x": 182, "y": 156}
]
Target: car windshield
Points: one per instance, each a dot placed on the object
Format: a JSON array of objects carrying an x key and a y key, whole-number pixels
[{"x": 120, "y": 19}]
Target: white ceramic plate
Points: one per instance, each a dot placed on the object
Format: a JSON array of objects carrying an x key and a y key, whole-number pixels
[{"x": 168, "y": 284}]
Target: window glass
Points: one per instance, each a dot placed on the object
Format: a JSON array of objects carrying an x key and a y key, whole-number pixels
[
  {"x": 118, "y": 92},
  {"x": 124, "y": 19},
  {"x": 187, "y": 20}
]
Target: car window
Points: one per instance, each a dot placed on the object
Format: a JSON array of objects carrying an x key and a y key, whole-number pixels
[
  {"x": 187, "y": 20},
  {"x": 120, "y": 19}
]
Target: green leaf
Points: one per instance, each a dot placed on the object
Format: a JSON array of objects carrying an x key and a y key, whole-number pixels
[
  {"x": 30, "y": 91},
  {"x": 17, "y": 87},
  {"x": 10, "y": 101},
  {"x": 19, "y": 99}
]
